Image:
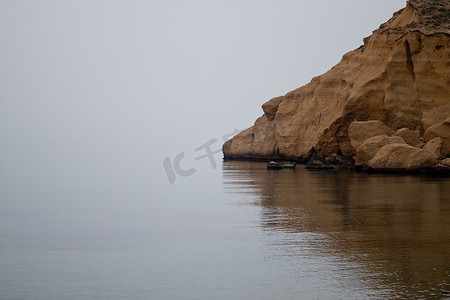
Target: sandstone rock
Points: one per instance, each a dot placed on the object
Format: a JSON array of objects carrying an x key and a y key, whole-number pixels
[
  {"x": 255, "y": 142},
  {"x": 399, "y": 77},
  {"x": 402, "y": 157},
  {"x": 435, "y": 146},
  {"x": 420, "y": 145},
  {"x": 270, "y": 108},
  {"x": 411, "y": 137},
  {"x": 358, "y": 132},
  {"x": 441, "y": 130},
  {"x": 240, "y": 145},
  {"x": 368, "y": 149}
]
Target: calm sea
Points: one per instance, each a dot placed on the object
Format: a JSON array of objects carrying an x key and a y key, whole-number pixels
[{"x": 237, "y": 232}]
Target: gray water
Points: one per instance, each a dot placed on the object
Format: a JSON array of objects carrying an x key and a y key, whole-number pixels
[{"x": 113, "y": 231}]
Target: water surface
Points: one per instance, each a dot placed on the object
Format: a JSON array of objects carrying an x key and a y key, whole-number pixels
[
  {"x": 241, "y": 232},
  {"x": 384, "y": 236}
]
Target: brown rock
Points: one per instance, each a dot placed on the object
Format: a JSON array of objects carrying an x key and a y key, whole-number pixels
[
  {"x": 402, "y": 157},
  {"x": 434, "y": 15},
  {"x": 244, "y": 144},
  {"x": 270, "y": 108},
  {"x": 411, "y": 137},
  {"x": 367, "y": 150},
  {"x": 441, "y": 130},
  {"x": 435, "y": 146},
  {"x": 399, "y": 77},
  {"x": 358, "y": 132}
]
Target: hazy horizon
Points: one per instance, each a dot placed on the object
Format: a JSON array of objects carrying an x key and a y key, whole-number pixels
[
  {"x": 107, "y": 111},
  {"x": 98, "y": 80}
]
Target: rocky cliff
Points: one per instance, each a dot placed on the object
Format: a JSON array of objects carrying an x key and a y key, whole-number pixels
[{"x": 400, "y": 76}]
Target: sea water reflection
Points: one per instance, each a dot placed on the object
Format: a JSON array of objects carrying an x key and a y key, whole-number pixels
[{"x": 391, "y": 234}]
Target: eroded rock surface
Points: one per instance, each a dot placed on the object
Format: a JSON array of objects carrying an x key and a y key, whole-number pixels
[
  {"x": 441, "y": 130},
  {"x": 435, "y": 146},
  {"x": 359, "y": 132},
  {"x": 400, "y": 76},
  {"x": 367, "y": 150},
  {"x": 411, "y": 137},
  {"x": 402, "y": 157}
]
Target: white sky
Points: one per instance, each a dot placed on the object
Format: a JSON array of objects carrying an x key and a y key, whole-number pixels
[{"x": 172, "y": 74}]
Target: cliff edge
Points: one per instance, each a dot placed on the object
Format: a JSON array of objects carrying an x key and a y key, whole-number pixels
[{"x": 400, "y": 76}]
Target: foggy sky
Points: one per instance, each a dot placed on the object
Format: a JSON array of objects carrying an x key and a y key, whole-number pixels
[{"x": 150, "y": 79}]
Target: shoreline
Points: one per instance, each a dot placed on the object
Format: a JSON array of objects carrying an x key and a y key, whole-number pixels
[{"x": 434, "y": 171}]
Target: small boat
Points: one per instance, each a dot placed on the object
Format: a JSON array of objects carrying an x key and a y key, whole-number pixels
[
  {"x": 275, "y": 165},
  {"x": 288, "y": 165}
]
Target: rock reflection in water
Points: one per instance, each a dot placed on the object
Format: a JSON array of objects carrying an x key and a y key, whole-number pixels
[{"x": 396, "y": 229}]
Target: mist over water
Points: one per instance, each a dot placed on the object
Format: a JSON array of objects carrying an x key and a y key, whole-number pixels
[
  {"x": 95, "y": 96},
  {"x": 237, "y": 231}
]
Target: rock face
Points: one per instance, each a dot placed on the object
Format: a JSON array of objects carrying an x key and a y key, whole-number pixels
[
  {"x": 358, "y": 132},
  {"x": 435, "y": 146},
  {"x": 400, "y": 76},
  {"x": 395, "y": 153},
  {"x": 441, "y": 130},
  {"x": 411, "y": 137},
  {"x": 402, "y": 157},
  {"x": 367, "y": 150}
]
